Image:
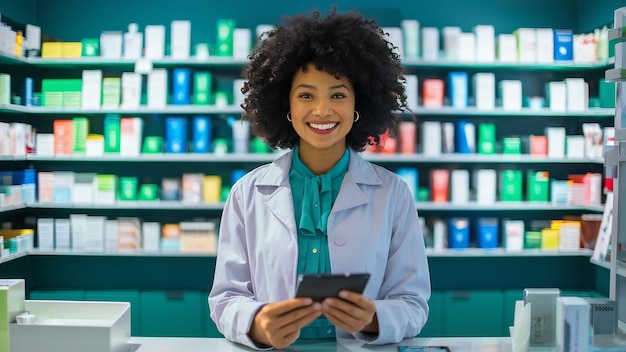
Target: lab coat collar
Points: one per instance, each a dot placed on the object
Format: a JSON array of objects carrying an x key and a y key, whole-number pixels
[{"x": 359, "y": 171}]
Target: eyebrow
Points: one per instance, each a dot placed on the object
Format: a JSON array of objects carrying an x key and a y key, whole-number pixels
[{"x": 304, "y": 85}]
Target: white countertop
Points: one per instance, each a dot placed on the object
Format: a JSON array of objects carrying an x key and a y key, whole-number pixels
[
  {"x": 602, "y": 343},
  {"x": 181, "y": 344}
]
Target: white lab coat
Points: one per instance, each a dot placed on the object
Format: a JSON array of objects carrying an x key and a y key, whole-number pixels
[{"x": 373, "y": 227}]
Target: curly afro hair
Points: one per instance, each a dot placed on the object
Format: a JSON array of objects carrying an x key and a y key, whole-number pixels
[{"x": 346, "y": 45}]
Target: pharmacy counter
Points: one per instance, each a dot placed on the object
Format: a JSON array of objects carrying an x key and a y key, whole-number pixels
[
  {"x": 602, "y": 343},
  {"x": 457, "y": 344}
]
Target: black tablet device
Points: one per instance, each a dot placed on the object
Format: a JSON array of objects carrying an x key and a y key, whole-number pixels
[{"x": 320, "y": 286}]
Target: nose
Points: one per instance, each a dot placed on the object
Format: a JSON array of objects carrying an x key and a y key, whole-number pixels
[{"x": 322, "y": 108}]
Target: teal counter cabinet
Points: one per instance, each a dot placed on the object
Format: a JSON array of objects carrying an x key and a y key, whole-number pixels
[
  {"x": 173, "y": 313},
  {"x": 473, "y": 313}
]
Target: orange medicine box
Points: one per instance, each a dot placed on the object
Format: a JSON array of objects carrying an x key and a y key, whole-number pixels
[{"x": 433, "y": 92}]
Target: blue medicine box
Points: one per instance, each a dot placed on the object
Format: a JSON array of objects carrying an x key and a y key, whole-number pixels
[
  {"x": 202, "y": 131},
  {"x": 458, "y": 233},
  {"x": 175, "y": 135},
  {"x": 181, "y": 86},
  {"x": 563, "y": 45},
  {"x": 487, "y": 233}
]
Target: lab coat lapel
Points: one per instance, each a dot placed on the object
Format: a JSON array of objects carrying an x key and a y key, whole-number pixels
[
  {"x": 276, "y": 193},
  {"x": 359, "y": 173}
]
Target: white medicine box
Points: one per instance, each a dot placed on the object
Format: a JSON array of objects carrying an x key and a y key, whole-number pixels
[{"x": 73, "y": 326}]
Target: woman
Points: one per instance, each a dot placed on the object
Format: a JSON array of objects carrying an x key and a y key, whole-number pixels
[{"x": 324, "y": 88}]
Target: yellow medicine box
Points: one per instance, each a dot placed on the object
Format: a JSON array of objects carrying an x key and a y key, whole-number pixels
[
  {"x": 72, "y": 49},
  {"x": 51, "y": 49}
]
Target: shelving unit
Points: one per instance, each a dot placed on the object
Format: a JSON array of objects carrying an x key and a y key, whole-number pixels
[
  {"x": 617, "y": 263},
  {"x": 233, "y": 66},
  {"x": 465, "y": 253},
  {"x": 483, "y": 270},
  {"x": 254, "y": 158},
  {"x": 180, "y": 206}
]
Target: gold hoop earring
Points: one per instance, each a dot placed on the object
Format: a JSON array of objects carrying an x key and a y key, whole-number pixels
[
  {"x": 289, "y": 116},
  {"x": 356, "y": 116}
]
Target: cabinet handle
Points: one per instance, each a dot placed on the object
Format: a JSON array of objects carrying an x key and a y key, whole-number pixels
[
  {"x": 461, "y": 294},
  {"x": 174, "y": 294}
]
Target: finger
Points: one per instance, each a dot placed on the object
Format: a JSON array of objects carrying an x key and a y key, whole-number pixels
[
  {"x": 304, "y": 314},
  {"x": 279, "y": 311},
  {"x": 360, "y": 301},
  {"x": 343, "y": 306},
  {"x": 354, "y": 298},
  {"x": 279, "y": 328},
  {"x": 346, "y": 315},
  {"x": 287, "y": 331},
  {"x": 286, "y": 306},
  {"x": 343, "y": 321},
  {"x": 284, "y": 342}
]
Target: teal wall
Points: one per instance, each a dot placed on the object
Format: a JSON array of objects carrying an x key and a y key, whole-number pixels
[
  {"x": 23, "y": 11},
  {"x": 594, "y": 13}
]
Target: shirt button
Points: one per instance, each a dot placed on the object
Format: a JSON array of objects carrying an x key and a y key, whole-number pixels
[
  {"x": 315, "y": 205},
  {"x": 340, "y": 241},
  {"x": 314, "y": 251}
]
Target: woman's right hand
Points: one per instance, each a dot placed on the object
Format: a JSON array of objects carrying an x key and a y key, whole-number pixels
[{"x": 278, "y": 324}]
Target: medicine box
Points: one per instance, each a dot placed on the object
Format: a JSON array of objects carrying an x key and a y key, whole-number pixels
[
  {"x": 543, "y": 302},
  {"x": 73, "y": 326},
  {"x": 12, "y": 294}
]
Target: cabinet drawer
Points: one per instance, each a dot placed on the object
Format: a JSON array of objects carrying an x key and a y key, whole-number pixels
[
  {"x": 57, "y": 295},
  {"x": 433, "y": 324},
  {"x": 473, "y": 313},
  {"x": 173, "y": 313}
]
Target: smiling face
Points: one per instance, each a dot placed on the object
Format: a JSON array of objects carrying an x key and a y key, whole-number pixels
[{"x": 322, "y": 113}]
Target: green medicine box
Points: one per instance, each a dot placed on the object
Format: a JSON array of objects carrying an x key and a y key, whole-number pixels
[
  {"x": 202, "y": 88},
  {"x": 81, "y": 130},
  {"x": 225, "y": 33},
  {"x": 152, "y": 145},
  {"x": 149, "y": 192},
  {"x": 511, "y": 185},
  {"x": 52, "y": 92},
  {"x": 532, "y": 240},
  {"x": 128, "y": 188},
  {"x": 486, "y": 138},
  {"x": 538, "y": 186},
  {"x": 90, "y": 47},
  {"x": 607, "y": 93},
  {"x": 106, "y": 183},
  {"x": 72, "y": 92},
  {"x": 511, "y": 145},
  {"x": 112, "y": 133}
]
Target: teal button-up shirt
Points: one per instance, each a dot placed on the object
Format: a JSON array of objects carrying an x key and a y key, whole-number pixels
[{"x": 312, "y": 206}]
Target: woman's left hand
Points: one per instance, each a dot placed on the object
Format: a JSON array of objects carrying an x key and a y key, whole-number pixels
[{"x": 351, "y": 312}]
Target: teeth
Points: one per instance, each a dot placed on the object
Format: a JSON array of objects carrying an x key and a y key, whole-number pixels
[{"x": 323, "y": 126}]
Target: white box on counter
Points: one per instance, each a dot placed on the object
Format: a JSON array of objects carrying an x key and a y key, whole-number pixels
[{"x": 73, "y": 326}]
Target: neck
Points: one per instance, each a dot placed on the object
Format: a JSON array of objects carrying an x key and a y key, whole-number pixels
[{"x": 320, "y": 161}]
